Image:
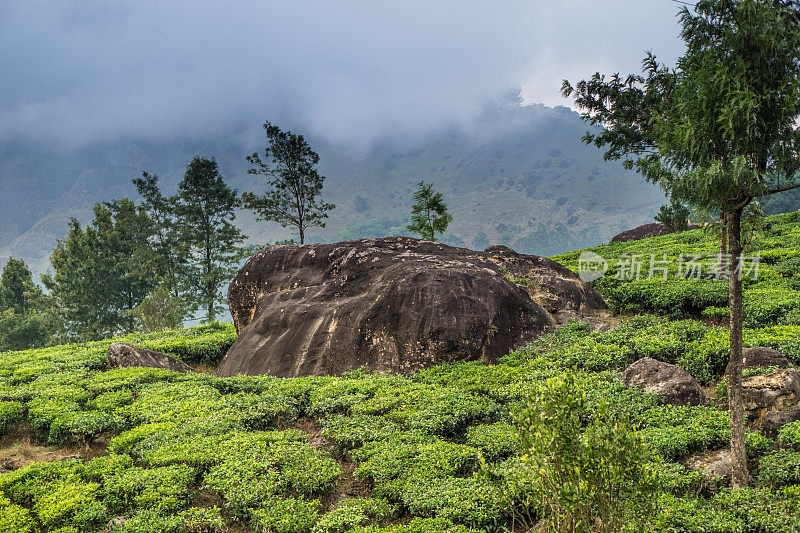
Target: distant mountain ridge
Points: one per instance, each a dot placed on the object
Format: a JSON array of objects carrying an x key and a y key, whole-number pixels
[{"x": 517, "y": 175}]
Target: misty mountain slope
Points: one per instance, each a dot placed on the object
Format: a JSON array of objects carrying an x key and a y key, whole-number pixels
[{"x": 518, "y": 175}]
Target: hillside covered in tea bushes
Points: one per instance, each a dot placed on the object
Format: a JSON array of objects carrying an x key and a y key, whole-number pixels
[{"x": 149, "y": 450}]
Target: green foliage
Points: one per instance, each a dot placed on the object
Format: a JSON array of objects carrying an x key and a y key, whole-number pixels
[
  {"x": 586, "y": 473},
  {"x": 13, "y": 518},
  {"x": 780, "y": 468},
  {"x": 205, "y": 208},
  {"x": 25, "y": 313},
  {"x": 10, "y": 412},
  {"x": 160, "y": 310},
  {"x": 286, "y": 515},
  {"x": 295, "y": 186},
  {"x": 100, "y": 272},
  {"x": 674, "y": 216},
  {"x": 429, "y": 214},
  {"x": 351, "y": 513}
]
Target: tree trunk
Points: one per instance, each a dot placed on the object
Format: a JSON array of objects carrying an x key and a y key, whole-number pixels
[
  {"x": 723, "y": 245},
  {"x": 739, "y": 474},
  {"x": 302, "y": 236}
]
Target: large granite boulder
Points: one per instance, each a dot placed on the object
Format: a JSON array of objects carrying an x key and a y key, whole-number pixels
[
  {"x": 396, "y": 304},
  {"x": 673, "y": 384},
  {"x": 122, "y": 354}
]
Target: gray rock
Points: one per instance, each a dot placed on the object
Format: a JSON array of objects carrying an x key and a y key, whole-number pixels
[
  {"x": 121, "y": 355},
  {"x": 392, "y": 305},
  {"x": 773, "y": 421},
  {"x": 776, "y": 391},
  {"x": 759, "y": 356},
  {"x": 673, "y": 384},
  {"x": 715, "y": 467}
]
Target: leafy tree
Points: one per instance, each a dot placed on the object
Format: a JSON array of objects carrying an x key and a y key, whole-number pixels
[
  {"x": 674, "y": 216},
  {"x": 17, "y": 288},
  {"x": 102, "y": 272},
  {"x": 170, "y": 252},
  {"x": 204, "y": 208},
  {"x": 429, "y": 214},
  {"x": 25, "y": 320},
  {"x": 295, "y": 186},
  {"x": 718, "y": 130},
  {"x": 160, "y": 310}
]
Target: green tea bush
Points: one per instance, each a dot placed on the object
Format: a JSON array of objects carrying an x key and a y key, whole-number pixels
[
  {"x": 201, "y": 344},
  {"x": 286, "y": 515},
  {"x": 351, "y": 513},
  {"x": 780, "y": 468},
  {"x": 435, "y": 410},
  {"x": 392, "y": 463},
  {"x": 13, "y": 518},
  {"x": 162, "y": 489},
  {"x": 10, "y": 412},
  {"x": 680, "y": 480},
  {"x": 349, "y": 432},
  {"x": 789, "y": 435},
  {"x": 72, "y": 504},
  {"x": 419, "y": 525},
  {"x": 496, "y": 441},
  {"x": 471, "y": 501},
  {"x": 674, "y": 432}
]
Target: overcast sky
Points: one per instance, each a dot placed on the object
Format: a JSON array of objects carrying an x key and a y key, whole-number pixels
[{"x": 78, "y": 71}]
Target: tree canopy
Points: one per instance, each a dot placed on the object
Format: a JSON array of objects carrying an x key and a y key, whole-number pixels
[
  {"x": 429, "y": 214},
  {"x": 295, "y": 185}
]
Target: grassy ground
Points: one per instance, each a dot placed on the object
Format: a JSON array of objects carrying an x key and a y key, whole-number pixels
[{"x": 373, "y": 453}]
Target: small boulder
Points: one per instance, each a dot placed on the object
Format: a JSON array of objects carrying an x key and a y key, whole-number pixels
[
  {"x": 673, "y": 384},
  {"x": 715, "y": 467},
  {"x": 759, "y": 356},
  {"x": 776, "y": 391},
  {"x": 653, "y": 229},
  {"x": 122, "y": 354},
  {"x": 775, "y": 420}
]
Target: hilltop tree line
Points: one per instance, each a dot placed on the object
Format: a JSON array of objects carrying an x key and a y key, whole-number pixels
[{"x": 148, "y": 265}]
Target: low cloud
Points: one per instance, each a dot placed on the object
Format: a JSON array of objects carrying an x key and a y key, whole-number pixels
[{"x": 78, "y": 73}]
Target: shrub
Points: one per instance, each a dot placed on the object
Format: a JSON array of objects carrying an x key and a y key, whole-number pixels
[
  {"x": 496, "y": 441},
  {"x": 286, "y": 515},
  {"x": 13, "y": 518},
  {"x": 71, "y": 504},
  {"x": 789, "y": 435},
  {"x": 780, "y": 468},
  {"x": 471, "y": 501},
  {"x": 349, "y": 432},
  {"x": 10, "y": 412},
  {"x": 673, "y": 432},
  {"x": 351, "y": 513},
  {"x": 584, "y": 472}
]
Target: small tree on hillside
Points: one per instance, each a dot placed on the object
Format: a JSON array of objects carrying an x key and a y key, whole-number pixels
[
  {"x": 25, "y": 317},
  {"x": 168, "y": 249},
  {"x": 205, "y": 207},
  {"x": 674, "y": 216},
  {"x": 718, "y": 130},
  {"x": 289, "y": 167},
  {"x": 429, "y": 214}
]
